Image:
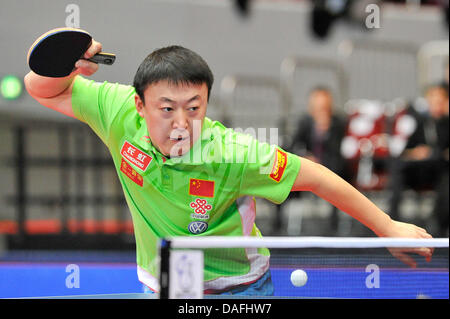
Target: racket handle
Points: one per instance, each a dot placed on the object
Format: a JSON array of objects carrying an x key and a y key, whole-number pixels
[{"x": 103, "y": 58}]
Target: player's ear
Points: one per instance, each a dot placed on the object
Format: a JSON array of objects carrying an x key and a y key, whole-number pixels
[{"x": 139, "y": 105}]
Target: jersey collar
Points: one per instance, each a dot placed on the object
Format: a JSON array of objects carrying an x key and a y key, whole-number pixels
[{"x": 141, "y": 138}]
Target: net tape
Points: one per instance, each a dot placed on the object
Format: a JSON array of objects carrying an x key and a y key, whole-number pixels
[{"x": 303, "y": 242}]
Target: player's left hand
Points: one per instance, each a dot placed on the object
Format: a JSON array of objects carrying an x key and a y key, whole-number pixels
[{"x": 399, "y": 229}]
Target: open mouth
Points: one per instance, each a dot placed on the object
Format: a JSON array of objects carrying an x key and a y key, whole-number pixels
[
  {"x": 179, "y": 135},
  {"x": 179, "y": 138}
]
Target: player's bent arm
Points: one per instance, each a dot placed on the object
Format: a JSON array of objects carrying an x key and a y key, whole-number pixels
[{"x": 54, "y": 93}]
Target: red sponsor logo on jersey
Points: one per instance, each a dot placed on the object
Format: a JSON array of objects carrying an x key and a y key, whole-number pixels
[
  {"x": 200, "y": 187},
  {"x": 131, "y": 173},
  {"x": 140, "y": 159},
  {"x": 201, "y": 208},
  {"x": 279, "y": 166}
]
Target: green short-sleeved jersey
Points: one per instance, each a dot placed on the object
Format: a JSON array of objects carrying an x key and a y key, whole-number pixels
[{"x": 209, "y": 191}]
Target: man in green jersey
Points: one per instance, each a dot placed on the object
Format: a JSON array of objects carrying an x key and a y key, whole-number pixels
[{"x": 183, "y": 174}]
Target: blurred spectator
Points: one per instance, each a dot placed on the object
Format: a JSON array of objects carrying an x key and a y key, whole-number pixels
[
  {"x": 320, "y": 132},
  {"x": 424, "y": 162},
  {"x": 445, "y": 81},
  {"x": 319, "y": 136}
]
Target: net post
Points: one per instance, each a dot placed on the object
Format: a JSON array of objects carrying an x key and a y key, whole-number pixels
[{"x": 164, "y": 246}]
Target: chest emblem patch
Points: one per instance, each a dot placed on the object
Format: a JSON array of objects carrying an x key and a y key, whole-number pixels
[
  {"x": 197, "y": 227},
  {"x": 201, "y": 187},
  {"x": 134, "y": 155},
  {"x": 131, "y": 173},
  {"x": 201, "y": 208}
]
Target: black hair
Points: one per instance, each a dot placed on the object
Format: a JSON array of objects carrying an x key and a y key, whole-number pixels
[{"x": 175, "y": 64}]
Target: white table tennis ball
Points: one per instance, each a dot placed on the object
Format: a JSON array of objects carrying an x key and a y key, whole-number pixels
[{"x": 299, "y": 278}]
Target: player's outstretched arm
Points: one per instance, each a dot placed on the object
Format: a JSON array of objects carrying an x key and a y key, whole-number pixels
[
  {"x": 324, "y": 183},
  {"x": 56, "y": 93}
]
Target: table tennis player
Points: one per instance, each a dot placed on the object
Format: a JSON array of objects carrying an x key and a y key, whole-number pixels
[{"x": 184, "y": 174}]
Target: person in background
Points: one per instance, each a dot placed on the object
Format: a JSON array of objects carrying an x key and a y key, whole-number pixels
[
  {"x": 424, "y": 161},
  {"x": 319, "y": 135}
]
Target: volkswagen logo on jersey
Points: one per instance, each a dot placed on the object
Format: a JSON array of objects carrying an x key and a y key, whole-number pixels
[{"x": 197, "y": 227}]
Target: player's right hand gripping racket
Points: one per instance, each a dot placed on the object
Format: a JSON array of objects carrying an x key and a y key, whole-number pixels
[{"x": 55, "y": 53}]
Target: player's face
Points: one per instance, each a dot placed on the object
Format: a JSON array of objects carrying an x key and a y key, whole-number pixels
[{"x": 174, "y": 115}]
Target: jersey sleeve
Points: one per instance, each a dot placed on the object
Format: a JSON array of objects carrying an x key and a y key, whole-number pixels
[
  {"x": 269, "y": 172},
  {"x": 97, "y": 104}
]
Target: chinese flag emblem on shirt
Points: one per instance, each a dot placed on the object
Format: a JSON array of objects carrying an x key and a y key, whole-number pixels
[{"x": 200, "y": 187}]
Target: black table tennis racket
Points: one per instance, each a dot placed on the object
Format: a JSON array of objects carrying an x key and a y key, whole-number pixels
[{"x": 55, "y": 53}]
